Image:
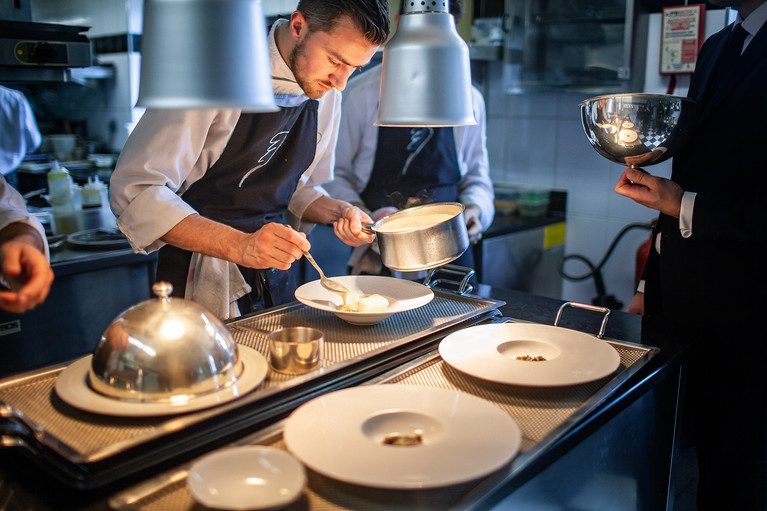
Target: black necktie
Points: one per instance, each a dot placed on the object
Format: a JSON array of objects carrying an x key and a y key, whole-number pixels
[{"x": 730, "y": 53}]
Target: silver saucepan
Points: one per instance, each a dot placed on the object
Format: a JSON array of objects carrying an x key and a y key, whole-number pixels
[{"x": 422, "y": 237}]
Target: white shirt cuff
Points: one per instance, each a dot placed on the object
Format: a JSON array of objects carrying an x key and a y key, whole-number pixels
[
  {"x": 685, "y": 214},
  {"x": 640, "y": 286}
]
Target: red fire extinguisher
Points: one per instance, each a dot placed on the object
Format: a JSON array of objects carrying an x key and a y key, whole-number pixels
[{"x": 641, "y": 256}]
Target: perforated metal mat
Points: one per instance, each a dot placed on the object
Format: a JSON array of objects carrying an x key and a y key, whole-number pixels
[
  {"x": 543, "y": 414},
  {"x": 33, "y": 417}
]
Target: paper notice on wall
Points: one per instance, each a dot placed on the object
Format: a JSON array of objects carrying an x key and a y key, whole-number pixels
[{"x": 681, "y": 38}]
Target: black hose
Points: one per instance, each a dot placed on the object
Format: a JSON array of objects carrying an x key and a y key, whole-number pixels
[{"x": 602, "y": 298}]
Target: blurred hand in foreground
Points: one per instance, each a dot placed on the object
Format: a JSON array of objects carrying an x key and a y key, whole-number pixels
[{"x": 24, "y": 268}]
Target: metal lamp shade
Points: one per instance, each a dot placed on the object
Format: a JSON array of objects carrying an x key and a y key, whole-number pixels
[
  {"x": 426, "y": 77},
  {"x": 205, "y": 54}
]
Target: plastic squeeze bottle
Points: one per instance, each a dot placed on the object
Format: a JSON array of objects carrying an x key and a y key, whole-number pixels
[
  {"x": 94, "y": 193},
  {"x": 61, "y": 197}
]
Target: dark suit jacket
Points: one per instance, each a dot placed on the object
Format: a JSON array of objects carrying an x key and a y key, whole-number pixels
[{"x": 719, "y": 272}]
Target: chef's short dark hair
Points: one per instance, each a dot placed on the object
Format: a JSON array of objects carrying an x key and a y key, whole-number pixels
[
  {"x": 370, "y": 16},
  {"x": 456, "y": 8}
]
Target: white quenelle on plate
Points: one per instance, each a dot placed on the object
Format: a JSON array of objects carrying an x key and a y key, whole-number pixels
[
  {"x": 401, "y": 295},
  {"x": 502, "y": 353},
  {"x": 355, "y": 435},
  {"x": 248, "y": 477}
]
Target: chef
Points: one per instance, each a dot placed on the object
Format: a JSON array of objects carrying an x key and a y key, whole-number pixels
[
  {"x": 226, "y": 196},
  {"x": 383, "y": 169}
]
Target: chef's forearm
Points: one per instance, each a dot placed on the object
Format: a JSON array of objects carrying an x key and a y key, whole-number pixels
[
  {"x": 206, "y": 236},
  {"x": 22, "y": 233}
]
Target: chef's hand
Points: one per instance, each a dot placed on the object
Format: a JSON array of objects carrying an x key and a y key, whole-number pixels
[
  {"x": 274, "y": 245},
  {"x": 654, "y": 192},
  {"x": 473, "y": 226},
  {"x": 348, "y": 227},
  {"x": 27, "y": 272},
  {"x": 636, "y": 305}
]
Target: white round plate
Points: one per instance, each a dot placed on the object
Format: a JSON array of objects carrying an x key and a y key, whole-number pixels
[
  {"x": 249, "y": 477},
  {"x": 98, "y": 238},
  {"x": 490, "y": 352},
  {"x": 72, "y": 387},
  {"x": 341, "y": 435},
  {"x": 403, "y": 295}
]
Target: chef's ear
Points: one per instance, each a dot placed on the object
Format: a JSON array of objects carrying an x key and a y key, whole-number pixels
[{"x": 299, "y": 27}]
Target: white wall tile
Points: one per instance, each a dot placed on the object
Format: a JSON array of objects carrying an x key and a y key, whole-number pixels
[
  {"x": 496, "y": 144},
  {"x": 536, "y": 106},
  {"x": 581, "y": 171},
  {"x": 271, "y": 7},
  {"x": 586, "y": 237},
  {"x": 530, "y": 150},
  {"x": 568, "y": 105},
  {"x": 495, "y": 97},
  {"x": 287, "y": 6}
]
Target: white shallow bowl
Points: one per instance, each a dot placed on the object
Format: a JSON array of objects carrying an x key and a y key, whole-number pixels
[
  {"x": 403, "y": 295},
  {"x": 250, "y": 477},
  {"x": 490, "y": 352},
  {"x": 341, "y": 435}
]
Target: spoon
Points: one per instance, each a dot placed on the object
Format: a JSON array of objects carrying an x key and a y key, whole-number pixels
[{"x": 330, "y": 284}]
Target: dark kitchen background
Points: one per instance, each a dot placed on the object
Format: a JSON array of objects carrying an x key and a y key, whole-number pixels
[{"x": 533, "y": 61}]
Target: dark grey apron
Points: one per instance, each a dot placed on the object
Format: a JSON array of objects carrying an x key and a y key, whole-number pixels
[
  {"x": 249, "y": 186},
  {"x": 420, "y": 163}
]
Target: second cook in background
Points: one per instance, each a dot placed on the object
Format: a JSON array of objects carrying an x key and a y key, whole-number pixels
[
  {"x": 213, "y": 188},
  {"x": 383, "y": 168}
]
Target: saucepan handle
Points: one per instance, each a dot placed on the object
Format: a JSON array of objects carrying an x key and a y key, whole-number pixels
[
  {"x": 594, "y": 308},
  {"x": 366, "y": 228}
]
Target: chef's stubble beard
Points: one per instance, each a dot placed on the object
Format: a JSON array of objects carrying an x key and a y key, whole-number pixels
[{"x": 295, "y": 55}]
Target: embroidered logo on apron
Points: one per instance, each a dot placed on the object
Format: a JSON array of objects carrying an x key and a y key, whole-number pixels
[
  {"x": 419, "y": 137},
  {"x": 274, "y": 143}
]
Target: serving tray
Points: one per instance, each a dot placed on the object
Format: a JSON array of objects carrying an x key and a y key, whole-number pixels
[
  {"x": 86, "y": 450},
  {"x": 544, "y": 414}
]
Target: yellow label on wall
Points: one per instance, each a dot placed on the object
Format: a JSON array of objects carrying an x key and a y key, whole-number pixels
[{"x": 554, "y": 235}]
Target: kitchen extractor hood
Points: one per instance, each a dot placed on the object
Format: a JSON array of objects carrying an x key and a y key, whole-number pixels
[{"x": 34, "y": 52}]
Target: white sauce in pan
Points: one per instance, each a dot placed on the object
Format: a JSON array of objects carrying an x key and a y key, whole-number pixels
[{"x": 408, "y": 223}]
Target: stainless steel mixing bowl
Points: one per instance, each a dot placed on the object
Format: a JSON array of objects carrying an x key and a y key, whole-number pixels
[
  {"x": 637, "y": 129},
  {"x": 164, "y": 350}
]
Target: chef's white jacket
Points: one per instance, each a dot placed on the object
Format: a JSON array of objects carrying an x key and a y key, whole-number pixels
[
  {"x": 19, "y": 134},
  {"x": 13, "y": 209},
  {"x": 358, "y": 140},
  {"x": 169, "y": 150}
]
